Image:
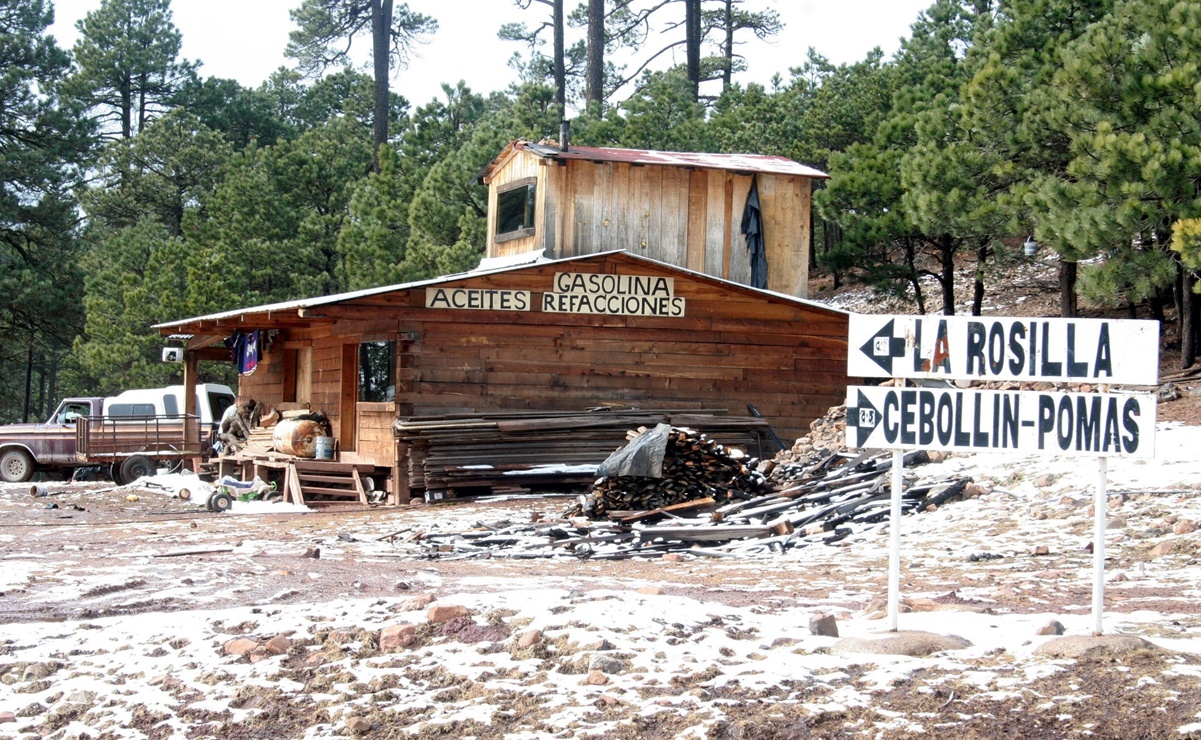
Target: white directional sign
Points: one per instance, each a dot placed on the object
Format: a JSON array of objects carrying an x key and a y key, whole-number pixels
[
  {"x": 983, "y": 348},
  {"x": 1086, "y": 424}
]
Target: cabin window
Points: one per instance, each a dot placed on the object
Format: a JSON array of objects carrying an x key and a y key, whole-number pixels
[
  {"x": 377, "y": 379},
  {"x": 515, "y": 209}
]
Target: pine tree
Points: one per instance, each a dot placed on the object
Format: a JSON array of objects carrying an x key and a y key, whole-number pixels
[
  {"x": 326, "y": 30},
  {"x": 127, "y": 55},
  {"x": 43, "y": 146}
]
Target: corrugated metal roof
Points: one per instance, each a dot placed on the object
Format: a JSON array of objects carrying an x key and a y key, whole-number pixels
[
  {"x": 735, "y": 162},
  {"x": 287, "y": 306}
]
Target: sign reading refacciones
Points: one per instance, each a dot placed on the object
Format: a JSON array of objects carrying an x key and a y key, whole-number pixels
[
  {"x": 619, "y": 295},
  {"x": 1088, "y": 424},
  {"x": 982, "y": 348}
]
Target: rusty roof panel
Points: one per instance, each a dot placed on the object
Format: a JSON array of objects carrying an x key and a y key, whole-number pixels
[{"x": 735, "y": 162}]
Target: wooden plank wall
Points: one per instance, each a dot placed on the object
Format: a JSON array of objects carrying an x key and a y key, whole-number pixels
[
  {"x": 518, "y": 167},
  {"x": 377, "y": 442},
  {"x": 730, "y": 349},
  {"x": 690, "y": 218},
  {"x": 785, "y": 204}
]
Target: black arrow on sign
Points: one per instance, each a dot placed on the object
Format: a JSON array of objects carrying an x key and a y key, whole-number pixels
[
  {"x": 883, "y": 347},
  {"x": 864, "y": 418}
]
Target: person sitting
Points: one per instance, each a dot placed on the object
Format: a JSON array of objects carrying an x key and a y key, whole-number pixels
[{"x": 236, "y": 423}]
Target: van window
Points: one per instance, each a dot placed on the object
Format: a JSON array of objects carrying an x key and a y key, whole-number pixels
[
  {"x": 131, "y": 409},
  {"x": 170, "y": 405},
  {"x": 219, "y": 402}
]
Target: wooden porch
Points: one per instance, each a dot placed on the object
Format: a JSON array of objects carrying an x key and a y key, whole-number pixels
[{"x": 314, "y": 483}]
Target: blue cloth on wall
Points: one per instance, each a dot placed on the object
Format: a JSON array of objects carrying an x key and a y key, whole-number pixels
[{"x": 245, "y": 351}]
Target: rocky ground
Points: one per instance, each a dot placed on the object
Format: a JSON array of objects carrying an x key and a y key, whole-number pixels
[
  {"x": 154, "y": 618},
  {"x": 128, "y": 613}
]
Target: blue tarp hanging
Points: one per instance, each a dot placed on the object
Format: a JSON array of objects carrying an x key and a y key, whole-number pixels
[{"x": 752, "y": 227}]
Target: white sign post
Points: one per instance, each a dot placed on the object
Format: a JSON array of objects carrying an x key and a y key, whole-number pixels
[
  {"x": 1099, "y": 498},
  {"x": 973, "y": 420}
]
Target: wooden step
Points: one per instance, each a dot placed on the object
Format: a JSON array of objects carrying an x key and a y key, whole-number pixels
[
  {"x": 316, "y": 487},
  {"x": 340, "y": 492},
  {"x": 314, "y": 478}
]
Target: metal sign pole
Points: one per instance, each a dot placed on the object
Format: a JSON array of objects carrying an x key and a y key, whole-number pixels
[
  {"x": 894, "y": 530},
  {"x": 1099, "y": 545}
]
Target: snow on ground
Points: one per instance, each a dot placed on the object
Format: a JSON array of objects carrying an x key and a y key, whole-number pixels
[{"x": 104, "y": 637}]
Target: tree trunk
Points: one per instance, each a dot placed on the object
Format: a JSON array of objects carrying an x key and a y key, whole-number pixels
[
  {"x": 594, "y": 82},
  {"x": 1191, "y": 313},
  {"x": 978, "y": 284},
  {"x": 560, "y": 65},
  {"x": 1067, "y": 289},
  {"x": 381, "y": 37},
  {"x": 946, "y": 258},
  {"x": 1178, "y": 298},
  {"x": 126, "y": 108},
  {"x": 692, "y": 38},
  {"x": 28, "y": 381},
  {"x": 142, "y": 84},
  {"x": 728, "y": 47},
  {"x": 1155, "y": 305},
  {"x": 914, "y": 278},
  {"x": 51, "y": 385}
]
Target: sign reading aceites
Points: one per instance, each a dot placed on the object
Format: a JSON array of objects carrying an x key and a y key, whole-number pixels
[
  {"x": 1090, "y": 424},
  {"x": 982, "y": 348}
]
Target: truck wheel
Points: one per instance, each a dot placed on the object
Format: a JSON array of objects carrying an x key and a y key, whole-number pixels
[
  {"x": 220, "y": 502},
  {"x": 16, "y": 466},
  {"x": 136, "y": 466}
]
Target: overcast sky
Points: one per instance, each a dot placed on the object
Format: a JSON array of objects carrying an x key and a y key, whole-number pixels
[{"x": 245, "y": 39}]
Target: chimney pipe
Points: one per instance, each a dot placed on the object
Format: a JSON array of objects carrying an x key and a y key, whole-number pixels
[{"x": 564, "y": 135}]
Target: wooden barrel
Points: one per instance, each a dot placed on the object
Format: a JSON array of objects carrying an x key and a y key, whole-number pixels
[{"x": 297, "y": 437}]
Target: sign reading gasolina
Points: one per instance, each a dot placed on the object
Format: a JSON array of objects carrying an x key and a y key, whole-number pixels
[{"x": 574, "y": 292}]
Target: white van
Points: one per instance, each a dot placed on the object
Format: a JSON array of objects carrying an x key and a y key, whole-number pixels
[{"x": 212, "y": 399}]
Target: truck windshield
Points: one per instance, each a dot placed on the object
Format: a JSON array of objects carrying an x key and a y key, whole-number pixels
[{"x": 72, "y": 411}]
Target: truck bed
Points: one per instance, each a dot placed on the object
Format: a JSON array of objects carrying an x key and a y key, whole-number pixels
[{"x": 105, "y": 439}]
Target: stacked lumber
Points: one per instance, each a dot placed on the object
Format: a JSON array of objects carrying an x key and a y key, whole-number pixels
[
  {"x": 819, "y": 503},
  {"x": 509, "y": 451}
]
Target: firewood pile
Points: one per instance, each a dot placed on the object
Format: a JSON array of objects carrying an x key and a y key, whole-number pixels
[
  {"x": 693, "y": 467},
  {"x": 747, "y": 508}
]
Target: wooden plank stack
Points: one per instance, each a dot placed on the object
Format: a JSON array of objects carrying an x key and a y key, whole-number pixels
[
  {"x": 825, "y": 502},
  {"x": 510, "y": 451}
]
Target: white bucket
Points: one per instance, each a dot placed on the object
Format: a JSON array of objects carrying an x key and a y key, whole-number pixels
[{"x": 323, "y": 448}]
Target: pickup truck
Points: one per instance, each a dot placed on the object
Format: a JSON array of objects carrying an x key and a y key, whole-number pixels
[
  {"x": 49, "y": 445},
  {"x": 125, "y": 434}
]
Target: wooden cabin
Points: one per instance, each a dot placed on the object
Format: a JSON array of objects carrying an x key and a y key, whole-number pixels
[
  {"x": 566, "y": 334},
  {"x": 684, "y": 209}
]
